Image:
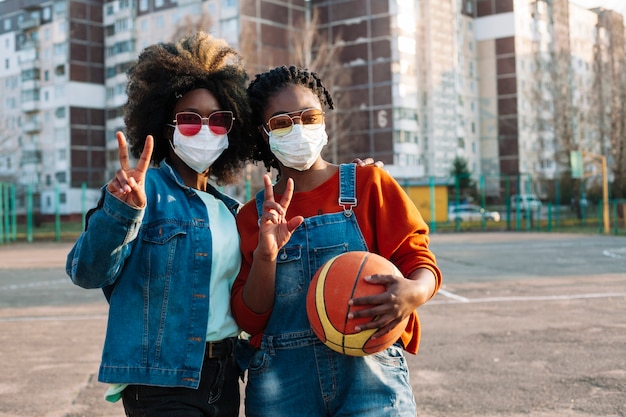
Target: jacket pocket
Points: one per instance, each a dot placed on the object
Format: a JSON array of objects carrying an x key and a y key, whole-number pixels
[{"x": 159, "y": 249}]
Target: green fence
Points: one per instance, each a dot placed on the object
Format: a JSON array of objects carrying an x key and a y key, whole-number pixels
[
  {"x": 22, "y": 219},
  {"x": 564, "y": 207}
]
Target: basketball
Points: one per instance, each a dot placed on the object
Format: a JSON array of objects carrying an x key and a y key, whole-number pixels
[{"x": 333, "y": 285}]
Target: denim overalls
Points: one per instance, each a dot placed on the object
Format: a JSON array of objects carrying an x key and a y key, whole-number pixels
[{"x": 293, "y": 373}]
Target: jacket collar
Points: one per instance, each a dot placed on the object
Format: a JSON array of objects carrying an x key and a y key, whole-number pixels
[{"x": 232, "y": 204}]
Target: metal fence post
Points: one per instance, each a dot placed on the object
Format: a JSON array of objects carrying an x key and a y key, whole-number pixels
[
  {"x": 433, "y": 215},
  {"x": 2, "y": 209},
  {"x": 57, "y": 213},
  {"x": 29, "y": 214}
]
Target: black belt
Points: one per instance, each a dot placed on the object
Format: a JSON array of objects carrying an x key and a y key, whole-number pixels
[{"x": 220, "y": 348}]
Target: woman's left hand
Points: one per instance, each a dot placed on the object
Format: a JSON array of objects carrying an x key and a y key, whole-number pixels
[{"x": 368, "y": 161}]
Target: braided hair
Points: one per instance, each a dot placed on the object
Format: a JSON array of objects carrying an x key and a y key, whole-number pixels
[
  {"x": 164, "y": 72},
  {"x": 266, "y": 85}
]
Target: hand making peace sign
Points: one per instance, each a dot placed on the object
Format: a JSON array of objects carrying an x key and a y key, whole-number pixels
[
  {"x": 128, "y": 184},
  {"x": 274, "y": 228}
]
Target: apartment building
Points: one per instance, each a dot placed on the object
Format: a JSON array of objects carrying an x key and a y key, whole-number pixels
[
  {"x": 543, "y": 69},
  {"x": 51, "y": 84},
  {"x": 417, "y": 82}
]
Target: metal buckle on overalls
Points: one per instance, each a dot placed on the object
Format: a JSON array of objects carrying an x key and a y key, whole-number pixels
[{"x": 347, "y": 203}]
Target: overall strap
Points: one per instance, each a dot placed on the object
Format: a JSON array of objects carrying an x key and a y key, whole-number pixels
[
  {"x": 347, "y": 188},
  {"x": 259, "y": 198}
]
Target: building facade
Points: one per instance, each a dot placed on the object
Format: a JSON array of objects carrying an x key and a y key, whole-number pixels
[
  {"x": 52, "y": 134},
  {"x": 509, "y": 86}
]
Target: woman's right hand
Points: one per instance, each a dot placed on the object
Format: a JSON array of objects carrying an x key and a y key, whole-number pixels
[
  {"x": 274, "y": 227},
  {"x": 128, "y": 184}
]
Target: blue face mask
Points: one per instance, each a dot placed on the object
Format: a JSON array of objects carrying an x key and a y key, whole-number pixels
[
  {"x": 299, "y": 148},
  {"x": 201, "y": 150}
]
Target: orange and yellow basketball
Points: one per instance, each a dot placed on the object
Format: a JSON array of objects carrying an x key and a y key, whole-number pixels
[{"x": 333, "y": 285}]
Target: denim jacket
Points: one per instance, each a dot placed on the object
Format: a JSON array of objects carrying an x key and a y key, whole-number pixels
[{"x": 153, "y": 264}]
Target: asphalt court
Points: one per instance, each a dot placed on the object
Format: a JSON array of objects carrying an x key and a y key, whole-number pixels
[{"x": 525, "y": 324}]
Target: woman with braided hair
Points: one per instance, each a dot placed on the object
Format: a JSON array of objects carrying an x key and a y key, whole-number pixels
[
  {"x": 162, "y": 242},
  {"x": 291, "y": 229}
]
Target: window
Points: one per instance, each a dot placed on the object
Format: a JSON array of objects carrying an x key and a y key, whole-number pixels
[
  {"x": 59, "y": 91},
  {"x": 30, "y": 95},
  {"x": 7, "y": 24},
  {"x": 60, "y": 49},
  {"x": 60, "y": 29},
  {"x": 59, "y": 7},
  {"x": 30, "y": 74},
  {"x": 121, "y": 25}
]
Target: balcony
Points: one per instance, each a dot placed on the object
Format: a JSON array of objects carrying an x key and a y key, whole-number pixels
[
  {"x": 30, "y": 105},
  {"x": 30, "y": 85},
  {"x": 31, "y": 126},
  {"x": 30, "y": 23}
]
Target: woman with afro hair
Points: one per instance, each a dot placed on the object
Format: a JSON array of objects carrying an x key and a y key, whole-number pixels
[{"x": 162, "y": 243}]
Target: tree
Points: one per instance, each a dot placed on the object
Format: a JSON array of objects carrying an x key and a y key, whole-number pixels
[
  {"x": 309, "y": 46},
  {"x": 555, "y": 117},
  {"x": 464, "y": 185},
  {"x": 611, "y": 82},
  {"x": 191, "y": 24}
]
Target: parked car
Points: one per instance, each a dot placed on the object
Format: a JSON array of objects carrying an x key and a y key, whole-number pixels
[
  {"x": 525, "y": 202},
  {"x": 471, "y": 212}
]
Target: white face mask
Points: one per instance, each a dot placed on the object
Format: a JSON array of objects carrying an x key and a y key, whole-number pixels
[
  {"x": 299, "y": 148},
  {"x": 201, "y": 150}
]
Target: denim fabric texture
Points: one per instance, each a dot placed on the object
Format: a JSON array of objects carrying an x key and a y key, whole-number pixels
[
  {"x": 293, "y": 370},
  {"x": 209, "y": 400},
  {"x": 159, "y": 296}
]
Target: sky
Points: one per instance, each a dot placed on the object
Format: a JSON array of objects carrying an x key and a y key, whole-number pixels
[{"x": 617, "y": 5}]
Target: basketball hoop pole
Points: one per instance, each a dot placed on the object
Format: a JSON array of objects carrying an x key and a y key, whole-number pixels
[{"x": 605, "y": 189}]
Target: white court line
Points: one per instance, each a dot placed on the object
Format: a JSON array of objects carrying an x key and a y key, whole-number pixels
[
  {"x": 34, "y": 284},
  {"x": 54, "y": 318},
  {"x": 615, "y": 253},
  {"x": 453, "y": 296},
  {"x": 459, "y": 299}
]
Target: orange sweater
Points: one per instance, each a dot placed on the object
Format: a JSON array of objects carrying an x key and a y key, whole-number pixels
[{"x": 394, "y": 230}]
